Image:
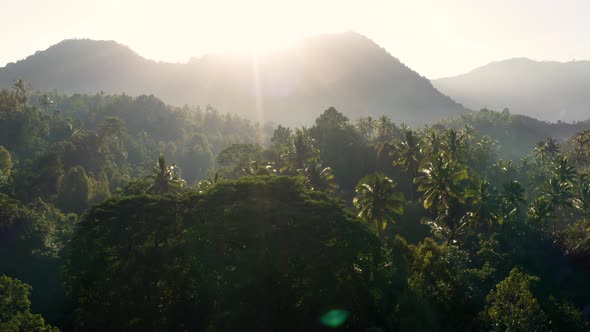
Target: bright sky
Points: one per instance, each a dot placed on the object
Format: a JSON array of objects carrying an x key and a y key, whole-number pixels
[{"x": 434, "y": 37}]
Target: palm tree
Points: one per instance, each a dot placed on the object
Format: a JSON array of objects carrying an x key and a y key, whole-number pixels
[
  {"x": 579, "y": 153},
  {"x": 45, "y": 102},
  {"x": 468, "y": 133},
  {"x": 319, "y": 177},
  {"x": 557, "y": 194},
  {"x": 546, "y": 149},
  {"x": 366, "y": 127},
  {"x": 512, "y": 197},
  {"x": 166, "y": 179},
  {"x": 581, "y": 200},
  {"x": 407, "y": 154},
  {"x": 385, "y": 129},
  {"x": 449, "y": 228},
  {"x": 377, "y": 201},
  {"x": 299, "y": 152},
  {"x": 455, "y": 144},
  {"x": 484, "y": 204},
  {"x": 433, "y": 143},
  {"x": 540, "y": 151},
  {"x": 539, "y": 211},
  {"x": 563, "y": 170},
  {"x": 440, "y": 183},
  {"x": 552, "y": 146}
]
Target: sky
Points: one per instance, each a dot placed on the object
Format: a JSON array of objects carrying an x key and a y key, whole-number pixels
[{"x": 434, "y": 37}]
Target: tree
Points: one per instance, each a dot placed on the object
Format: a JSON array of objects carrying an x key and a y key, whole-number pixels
[
  {"x": 377, "y": 201},
  {"x": 563, "y": 170},
  {"x": 297, "y": 154},
  {"x": 540, "y": 150},
  {"x": 539, "y": 211},
  {"x": 546, "y": 149},
  {"x": 565, "y": 316},
  {"x": 5, "y": 164},
  {"x": 20, "y": 91},
  {"x": 15, "y": 306},
  {"x": 232, "y": 160},
  {"x": 76, "y": 191},
  {"x": 112, "y": 127},
  {"x": 84, "y": 148},
  {"x": 551, "y": 146},
  {"x": 113, "y": 132},
  {"x": 45, "y": 102},
  {"x": 433, "y": 143},
  {"x": 8, "y": 102},
  {"x": 441, "y": 277},
  {"x": 195, "y": 158},
  {"x": 580, "y": 152},
  {"x": 166, "y": 179},
  {"x": 443, "y": 193},
  {"x": 512, "y": 306},
  {"x": 513, "y": 196},
  {"x": 557, "y": 194},
  {"x": 319, "y": 177},
  {"x": 581, "y": 199},
  {"x": 366, "y": 126},
  {"x": 454, "y": 143},
  {"x": 341, "y": 148},
  {"x": 485, "y": 205},
  {"x": 385, "y": 129},
  {"x": 407, "y": 154},
  {"x": 228, "y": 259},
  {"x": 281, "y": 135},
  {"x": 441, "y": 182},
  {"x": 10, "y": 213}
]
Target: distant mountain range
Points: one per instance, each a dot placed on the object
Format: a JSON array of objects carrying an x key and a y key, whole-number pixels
[
  {"x": 292, "y": 85},
  {"x": 545, "y": 90}
]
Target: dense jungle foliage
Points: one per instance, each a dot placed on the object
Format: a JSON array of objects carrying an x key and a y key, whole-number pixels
[{"x": 123, "y": 213}]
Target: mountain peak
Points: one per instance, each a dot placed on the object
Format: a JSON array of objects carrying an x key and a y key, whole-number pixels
[
  {"x": 82, "y": 47},
  {"x": 346, "y": 70}
]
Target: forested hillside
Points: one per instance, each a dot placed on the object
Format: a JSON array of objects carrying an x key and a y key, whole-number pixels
[
  {"x": 124, "y": 213},
  {"x": 347, "y": 70},
  {"x": 546, "y": 90},
  {"x": 516, "y": 134}
]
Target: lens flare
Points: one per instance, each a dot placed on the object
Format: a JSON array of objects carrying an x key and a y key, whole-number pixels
[{"x": 334, "y": 318}]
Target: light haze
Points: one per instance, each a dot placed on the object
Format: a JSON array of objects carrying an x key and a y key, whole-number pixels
[{"x": 435, "y": 38}]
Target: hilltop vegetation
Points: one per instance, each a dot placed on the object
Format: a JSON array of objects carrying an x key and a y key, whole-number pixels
[{"x": 124, "y": 213}]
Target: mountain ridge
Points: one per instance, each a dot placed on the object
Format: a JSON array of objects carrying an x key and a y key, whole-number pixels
[
  {"x": 547, "y": 90},
  {"x": 292, "y": 85}
]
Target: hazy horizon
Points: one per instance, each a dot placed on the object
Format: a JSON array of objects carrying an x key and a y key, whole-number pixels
[{"x": 435, "y": 39}]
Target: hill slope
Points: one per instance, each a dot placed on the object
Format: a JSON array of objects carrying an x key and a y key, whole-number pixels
[
  {"x": 347, "y": 70},
  {"x": 546, "y": 90}
]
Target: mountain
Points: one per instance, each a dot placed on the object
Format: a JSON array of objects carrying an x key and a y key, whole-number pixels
[
  {"x": 547, "y": 90},
  {"x": 347, "y": 71}
]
